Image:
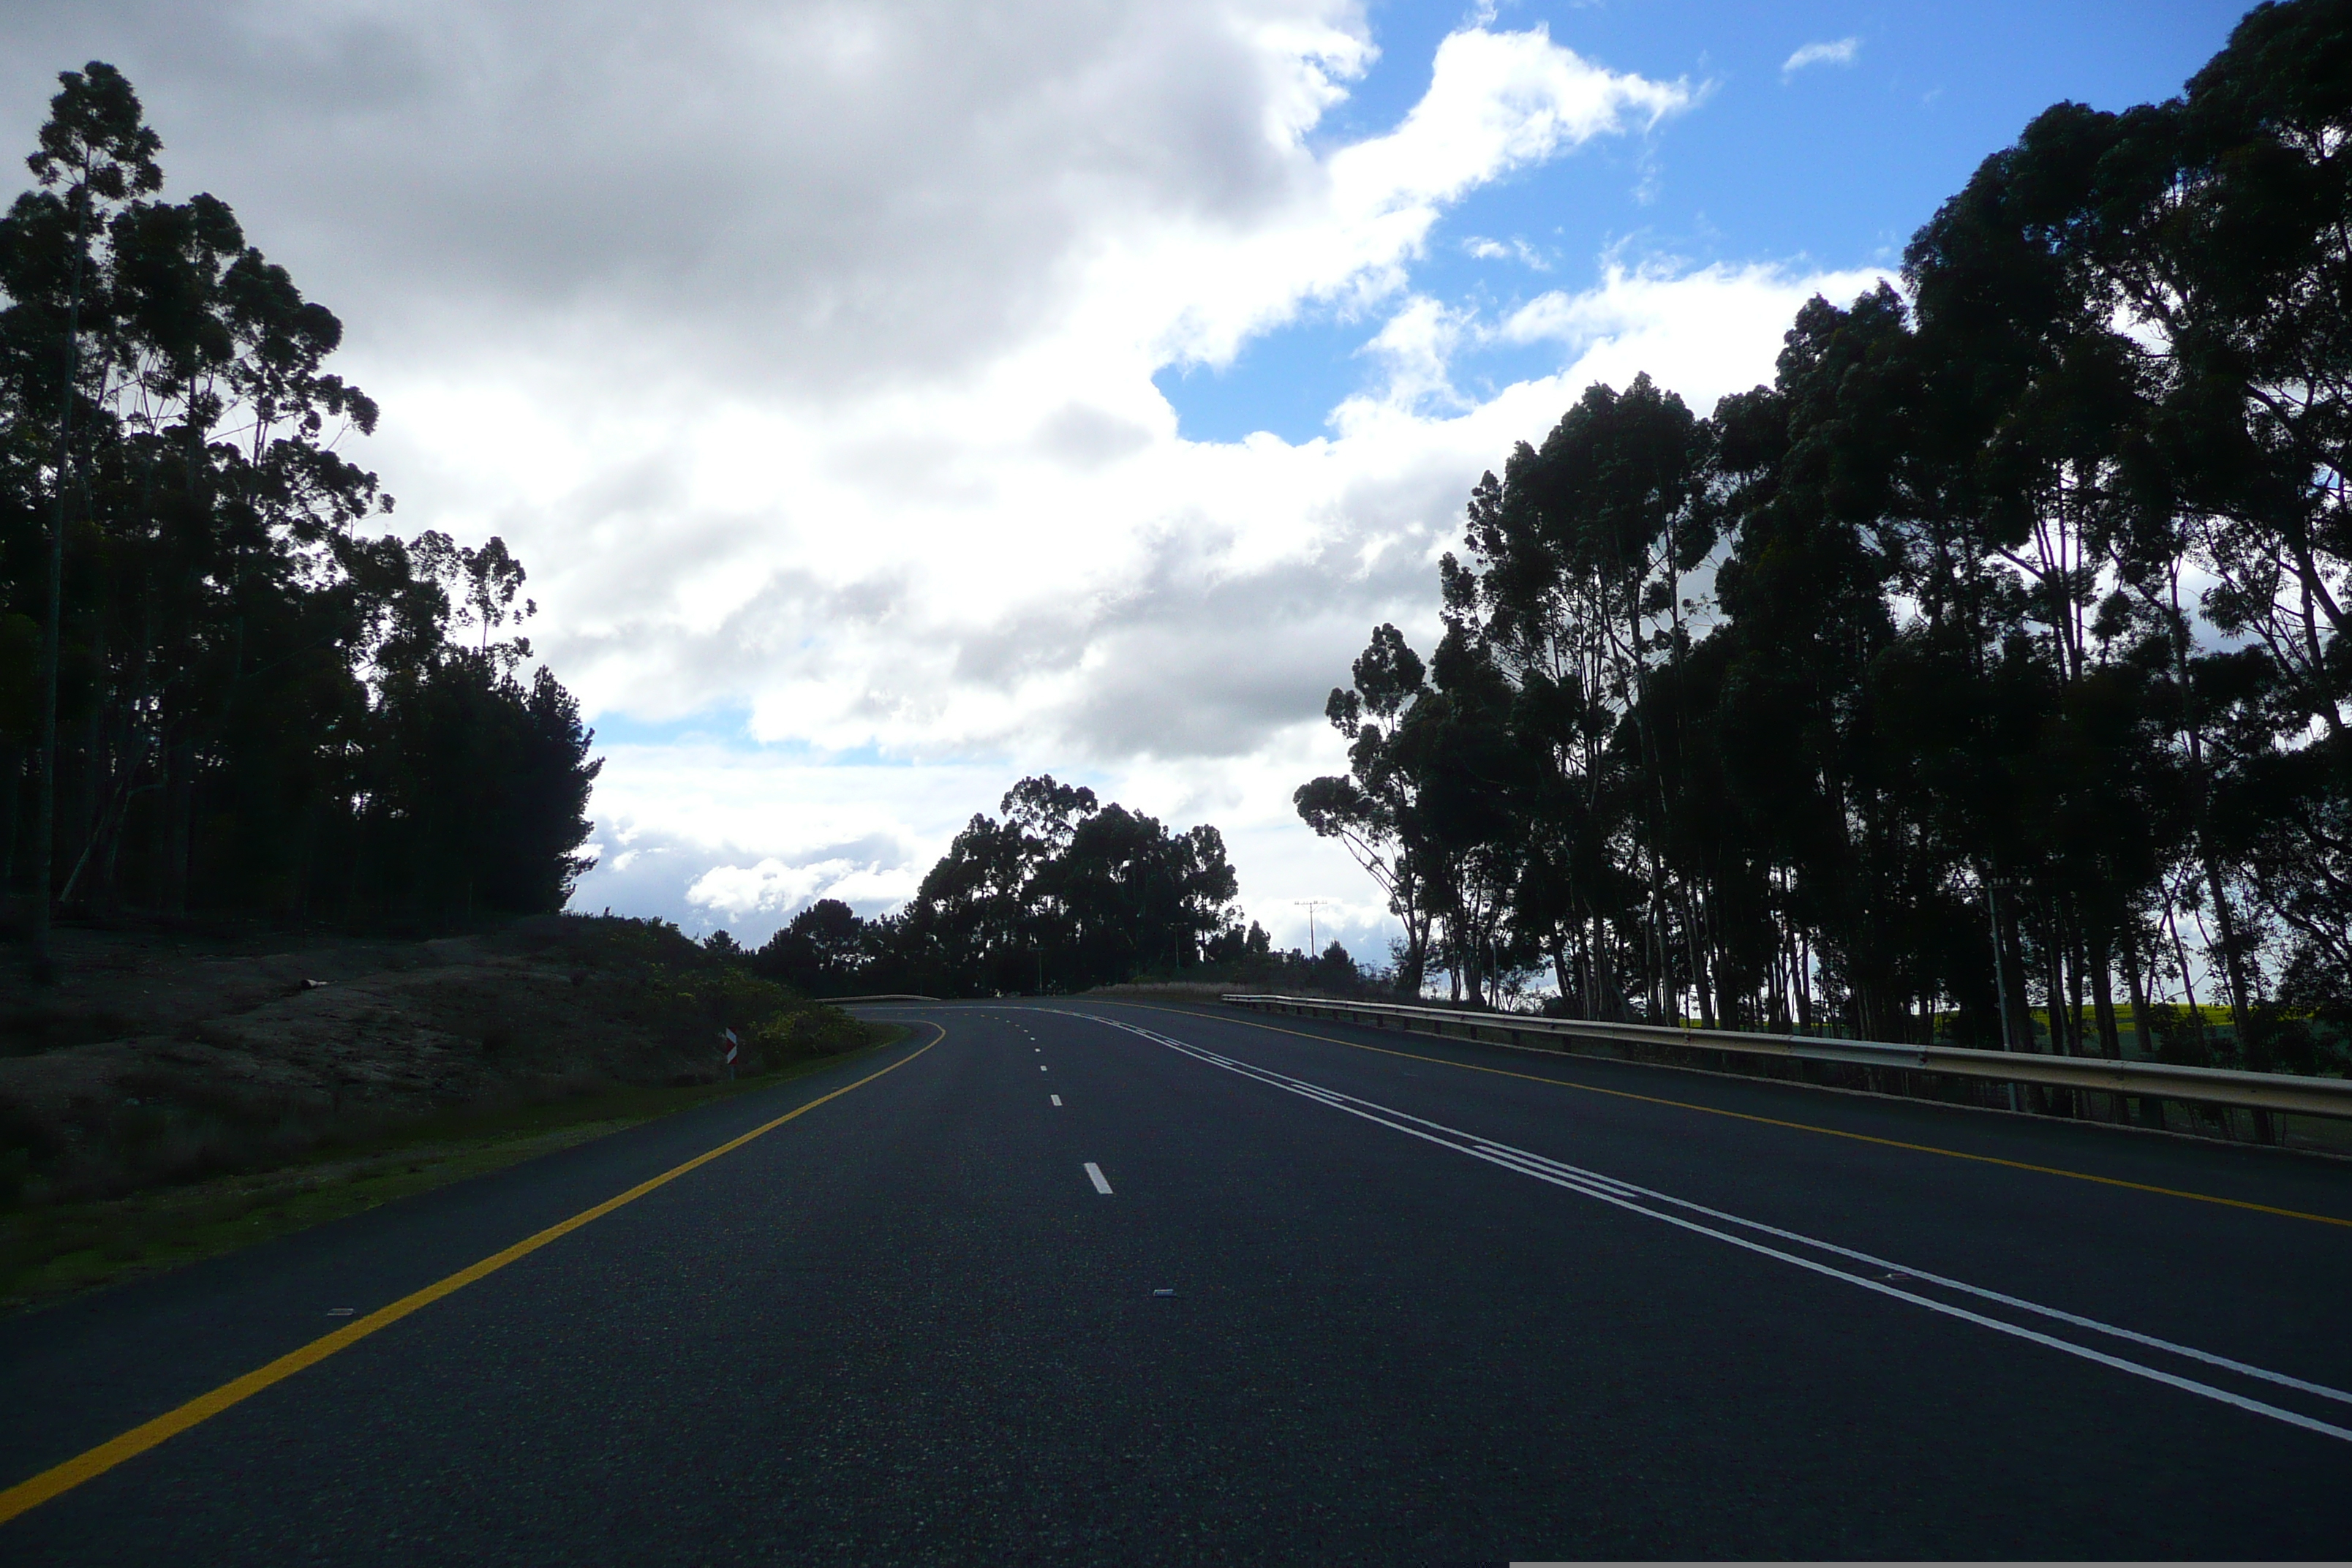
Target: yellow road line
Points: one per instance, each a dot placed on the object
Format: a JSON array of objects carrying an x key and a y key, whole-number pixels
[
  {"x": 64, "y": 1477},
  {"x": 1797, "y": 1126}
]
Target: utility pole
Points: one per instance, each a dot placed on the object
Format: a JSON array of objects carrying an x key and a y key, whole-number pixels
[{"x": 1310, "y": 906}]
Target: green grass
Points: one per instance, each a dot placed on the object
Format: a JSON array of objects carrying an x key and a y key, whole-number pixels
[{"x": 48, "y": 1251}]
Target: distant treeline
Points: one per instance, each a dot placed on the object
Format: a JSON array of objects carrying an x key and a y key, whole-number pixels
[
  {"x": 2011, "y": 613},
  {"x": 219, "y": 691},
  {"x": 1063, "y": 894}
]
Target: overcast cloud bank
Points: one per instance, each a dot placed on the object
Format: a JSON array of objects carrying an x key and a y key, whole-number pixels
[{"x": 805, "y": 355}]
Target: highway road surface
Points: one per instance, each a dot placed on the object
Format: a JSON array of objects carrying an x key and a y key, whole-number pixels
[{"x": 1077, "y": 1280}]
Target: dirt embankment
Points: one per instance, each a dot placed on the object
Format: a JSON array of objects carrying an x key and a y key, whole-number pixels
[{"x": 161, "y": 1058}]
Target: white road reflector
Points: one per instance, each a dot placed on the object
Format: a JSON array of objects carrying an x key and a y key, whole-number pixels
[
  {"x": 1054, "y": 1097},
  {"x": 1041, "y": 1067},
  {"x": 1094, "y": 1175}
]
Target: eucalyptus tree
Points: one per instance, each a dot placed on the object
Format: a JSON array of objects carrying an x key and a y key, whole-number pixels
[
  {"x": 1472, "y": 780},
  {"x": 819, "y": 951},
  {"x": 2044, "y": 401},
  {"x": 259, "y": 697},
  {"x": 1136, "y": 897},
  {"x": 210, "y": 559},
  {"x": 1574, "y": 592},
  {"x": 1374, "y": 810},
  {"x": 1064, "y": 893},
  {"x": 1807, "y": 594},
  {"x": 2031, "y": 578},
  {"x": 1044, "y": 814},
  {"x": 2178, "y": 274},
  {"x": 96, "y": 153},
  {"x": 965, "y": 923},
  {"x": 2256, "y": 218},
  {"x": 481, "y": 586}
]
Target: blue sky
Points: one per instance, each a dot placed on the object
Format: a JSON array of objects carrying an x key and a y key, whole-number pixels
[{"x": 1831, "y": 166}]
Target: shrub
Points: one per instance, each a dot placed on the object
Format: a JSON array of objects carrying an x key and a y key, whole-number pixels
[{"x": 804, "y": 1032}]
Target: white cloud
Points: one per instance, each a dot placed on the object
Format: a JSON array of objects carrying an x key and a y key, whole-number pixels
[
  {"x": 960, "y": 561},
  {"x": 1838, "y": 52},
  {"x": 1517, "y": 249},
  {"x": 1417, "y": 345},
  {"x": 774, "y": 889},
  {"x": 1496, "y": 102},
  {"x": 804, "y": 353},
  {"x": 1702, "y": 334},
  {"x": 1187, "y": 681}
]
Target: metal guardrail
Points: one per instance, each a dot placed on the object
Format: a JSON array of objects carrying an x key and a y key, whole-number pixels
[
  {"x": 2209, "y": 1085},
  {"x": 880, "y": 997}
]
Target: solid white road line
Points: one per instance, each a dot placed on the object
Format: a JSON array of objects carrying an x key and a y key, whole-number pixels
[
  {"x": 1635, "y": 1199},
  {"x": 1054, "y": 1097},
  {"x": 1094, "y": 1175},
  {"x": 2189, "y": 1351}
]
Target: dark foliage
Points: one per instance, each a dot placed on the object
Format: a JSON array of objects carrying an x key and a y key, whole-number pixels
[
  {"x": 1063, "y": 894},
  {"x": 2007, "y": 620},
  {"x": 218, "y": 693}
]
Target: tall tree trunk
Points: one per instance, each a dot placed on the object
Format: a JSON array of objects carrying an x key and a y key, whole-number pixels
[
  {"x": 2253, "y": 1051},
  {"x": 90, "y": 802},
  {"x": 2068, "y": 1102},
  {"x": 44, "y": 810},
  {"x": 12, "y": 790},
  {"x": 2189, "y": 989},
  {"x": 2012, "y": 961},
  {"x": 1416, "y": 933},
  {"x": 2021, "y": 1005},
  {"x": 1454, "y": 959},
  {"x": 2053, "y": 986},
  {"x": 1702, "y": 980},
  {"x": 2103, "y": 1007},
  {"x": 359, "y": 857},
  {"x": 305, "y": 859},
  {"x": 179, "y": 809},
  {"x": 2151, "y": 1109},
  {"x": 1805, "y": 984},
  {"x": 2103, "y": 999},
  {"x": 1609, "y": 995},
  {"x": 109, "y": 866},
  {"x": 2074, "y": 985},
  {"x": 1579, "y": 960},
  {"x": 130, "y": 749},
  {"x": 159, "y": 829}
]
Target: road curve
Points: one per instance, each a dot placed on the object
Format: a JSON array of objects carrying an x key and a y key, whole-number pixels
[{"x": 1090, "y": 1280}]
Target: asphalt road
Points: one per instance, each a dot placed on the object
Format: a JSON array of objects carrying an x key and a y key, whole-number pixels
[{"x": 1336, "y": 1304}]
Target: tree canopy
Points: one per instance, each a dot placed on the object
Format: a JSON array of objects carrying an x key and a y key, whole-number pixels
[
  {"x": 2004, "y": 627},
  {"x": 1061, "y": 894},
  {"x": 219, "y": 690}
]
